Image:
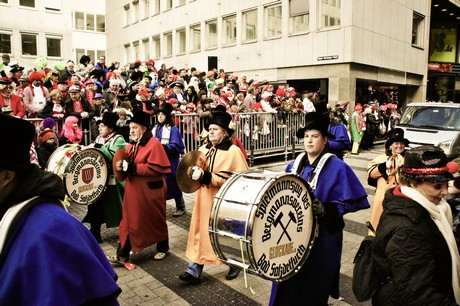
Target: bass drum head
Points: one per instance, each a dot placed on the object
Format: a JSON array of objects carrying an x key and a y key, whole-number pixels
[
  {"x": 284, "y": 228},
  {"x": 59, "y": 159},
  {"x": 86, "y": 176}
]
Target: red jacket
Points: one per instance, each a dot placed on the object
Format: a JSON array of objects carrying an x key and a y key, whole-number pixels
[{"x": 16, "y": 105}]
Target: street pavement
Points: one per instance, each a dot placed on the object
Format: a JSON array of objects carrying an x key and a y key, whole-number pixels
[{"x": 156, "y": 283}]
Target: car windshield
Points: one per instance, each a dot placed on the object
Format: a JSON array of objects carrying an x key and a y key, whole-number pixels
[{"x": 444, "y": 118}]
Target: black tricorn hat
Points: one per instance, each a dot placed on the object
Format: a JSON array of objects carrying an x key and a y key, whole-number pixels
[
  {"x": 18, "y": 134},
  {"x": 428, "y": 163},
  {"x": 395, "y": 135},
  {"x": 141, "y": 118},
  {"x": 314, "y": 121},
  {"x": 222, "y": 119},
  {"x": 166, "y": 109},
  {"x": 109, "y": 119}
]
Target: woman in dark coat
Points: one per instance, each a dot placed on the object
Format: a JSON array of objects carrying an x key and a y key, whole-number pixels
[{"x": 415, "y": 253}]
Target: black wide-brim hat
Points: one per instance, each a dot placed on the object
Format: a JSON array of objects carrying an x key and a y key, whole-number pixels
[
  {"x": 17, "y": 135},
  {"x": 166, "y": 109},
  {"x": 109, "y": 119},
  {"x": 396, "y": 135},
  {"x": 141, "y": 118},
  {"x": 428, "y": 163},
  {"x": 222, "y": 119},
  {"x": 314, "y": 121}
]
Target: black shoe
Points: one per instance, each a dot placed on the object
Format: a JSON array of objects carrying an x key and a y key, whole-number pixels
[
  {"x": 232, "y": 273},
  {"x": 189, "y": 278},
  {"x": 97, "y": 236}
]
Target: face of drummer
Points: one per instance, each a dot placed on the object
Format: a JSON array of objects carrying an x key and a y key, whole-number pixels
[
  {"x": 397, "y": 147},
  {"x": 216, "y": 134},
  {"x": 136, "y": 131},
  {"x": 104, "y": 130},
  {"x": 314, "y": 142}
]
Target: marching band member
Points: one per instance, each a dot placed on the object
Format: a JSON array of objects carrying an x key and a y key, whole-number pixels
[
  {"x": 223, "y": 159},
  {"x": 337, "y": 192},
  {"x": 108, "y": 208}
]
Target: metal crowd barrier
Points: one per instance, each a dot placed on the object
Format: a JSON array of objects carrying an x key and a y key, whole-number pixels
[{"x": 262, "y": 134}]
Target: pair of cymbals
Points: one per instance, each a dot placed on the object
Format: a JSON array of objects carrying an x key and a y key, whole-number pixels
[
  {"x": 117, "y": 163},
  {"x": 184, "y": 171}
]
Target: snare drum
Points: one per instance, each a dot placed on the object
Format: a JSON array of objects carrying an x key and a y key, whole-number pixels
[
  {"x": 262, "y": 221},
  {"x": 86, "y": 176},
  {"x": 59, "y": 159}
]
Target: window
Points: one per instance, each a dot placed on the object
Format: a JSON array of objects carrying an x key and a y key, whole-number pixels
[
  {"x": 169, "y": 4},
  {"x": 79, "y": 53},
  {"x": 5, "y": 43},
  {"x": 329, "y": 14},
  {"x": 91, "y": 54},
  {"x": 100, "y": 23},
  {"x": 211, "y": 34},
  {"x": 29, "y": 44},
  {"x": 53, "y": 47},
  {"x": 127, "y": 15},
  {"x": 250, "y": 26},
  {"x": 273, "y": 19},
  {"x": 156, "y": 47},
  {"x": 136, "y": 11},
  {"x": 52, "y": 5},
  {"x": 146, "y": 47},
  {"x": 229, "y": 28},
  {"x": 127, "y": 53},
  {"x": 418, "y": 25},
  {"x": 299, "y": 16},
  {"x": 146, "y": 9},
  {"x": 28, "y": 3},
  {"x": 79, "y": 21},
  {"x": 180, "y": 2},
  {"x": 181, "y": 41},
  {"x": 168, "y": 44},
  {"x": 195, "y": 38},
  {"x": 3, "y": 1},
  {"x": 137, "y": 54},
  {"x": 156, "y": 7},
  {"x": 90, "y": 22}
]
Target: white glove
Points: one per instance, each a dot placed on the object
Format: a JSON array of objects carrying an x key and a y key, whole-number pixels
[
  {"x": 124, "y": 165},
  {"x": 197, "y": 173}
]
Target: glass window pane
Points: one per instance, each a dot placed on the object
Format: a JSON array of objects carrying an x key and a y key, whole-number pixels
[
  {"x": 229, "y": 27},
  {"x": 250, "y": 26},
  {"x": 156, "y": 7},
  {"x": 29, "y": 44},
  {"x": 136, "y": 11},
  {"x": 181, "y": 41},
  {"x": 330, "y": 14},
  {"x": 273, "y": 21},
  {"x": 28, "y": 3},
  {"x": 156, "y": 47},
  {"x": 5, "y": 43},
  {"x": 211, "y": 34},
  {"x": 146, "y": 47},
  {"x": 127, "y": 54},
  {"x": 195, "y": 36},
  {"x": 298, "y": 24},
  {"x": 146, "y": 9},
  {"x": 53, "y": 47},
  {"x": 418, "y": 23},
  {"x": 78, "y": 54},
  {"x": 90, "y": 22},
  {"x": 100, "y": 23},
  {"x": 127, "y": 15},
  {"x": 168, "y": 44},
  {"x": 79, "y": 21}
]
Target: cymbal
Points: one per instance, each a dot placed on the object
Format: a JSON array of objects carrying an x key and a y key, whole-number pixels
[
  {"x": 119, "y": 156},
  {"x": 184, "y": 171}
]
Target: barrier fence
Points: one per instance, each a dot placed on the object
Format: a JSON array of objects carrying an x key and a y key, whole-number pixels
[{"x": 262, "y": 134}]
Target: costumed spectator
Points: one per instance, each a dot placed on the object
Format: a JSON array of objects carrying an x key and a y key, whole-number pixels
[
  {"x": 308, "y": 105},
  {"x": 55, "y": 107},
  {"x": 250, "y": 99},
  {"x": 16, "y": 72},
  {"x": 144, "y": 203},
  {"x": 123, "y": 122},
  {"x": 143, "y": 103},
  {"x": 189, "y": 123},
  {"x": 383, "y": 171},
  {"x": 357, "y": 124},
  {"x": 454, "y": 201},
  {"x": 100, "y": 65},
  {"x": 35, "y": 95},
  {"x": 65, "y": 253},
  {"x": 51, "y": 80},
  {"x": 10, "y": 101},
  {"x": 108, "y": 209},
  {"x": 223, "y": 159},
  {"x": 191, "y": 96},
  {"x": 372, "y": 128},
  {"x": 414, "y": 253},
  {"x": 4, "y": 68},
  {"x": 47, "y": 146},
  {"x": 68, "y": 71},
  {"x": 79, "y": 107},
  {"x": 169, "y": 136},
  {"x": 340, "y": 112},
  {"x": 110, "y": 94},
  {"x": 70, "y": 132},
  {"x": 177, "y": 93},
  {"x": 338, "y": 191},
  {"x": 89, "y": 91},
  {"x": 23, "y": 83},
  {"x": 339, "y": 142},
  {"x": 63, "y": 87}
]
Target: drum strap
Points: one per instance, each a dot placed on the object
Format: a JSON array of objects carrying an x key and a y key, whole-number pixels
[
  {"x": 299, "y": 161},
  {"x": 13, "y": 215}
]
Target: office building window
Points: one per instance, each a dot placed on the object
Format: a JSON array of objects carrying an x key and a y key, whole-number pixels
[
  {"x": 250, "y": 26},
  {"x": 330, "y": 13},
  {"x": 169, "y": 4},
  {"x": 127, "y": 15},
  {"x": 29, "y": 44},
  {"x": 3, "y": 1},
  {"x": 273, "y": 19},
  {"x": 156, "y": 47},
  {"x": 127, "y": 53},
  {"x": 156, "y": 7},
  {"x": 53, "y": 47},
  {"x": 299, "y": 16},
  {"x": 146, "y": 47},
  {"x": 79, "y": 21},
  {"x": 168, "y": 44},
  {"x": 211, "y": 34},
  {"x": 100, "y": 23},
  {"x": 5, "y": 43},
  {"x": 53, "y": 5},
  {"x": 418, "y": 29},
  {"x": 28, "y": 3},
  {"x": 135, "y": 11},
  {"x": 146, "y": 9},
  {"x": 195, "y": 38},
  {"x": 181, "y": 41},
  {"x": 90, "y": 22},
  {"x": 229, "y": 28},
  {"x": 180, "y": 2}
]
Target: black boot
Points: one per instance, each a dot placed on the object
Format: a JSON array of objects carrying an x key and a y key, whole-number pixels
[
  {"x": 232, "y": 273},
  {"x": 96, "y": 231}
]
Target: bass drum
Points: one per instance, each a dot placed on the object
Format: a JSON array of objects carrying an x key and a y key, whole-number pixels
[
  {"x": 59, "y": 159},
  {"x": 86, "y": 176},
  {"x": 262, "y": 221}
]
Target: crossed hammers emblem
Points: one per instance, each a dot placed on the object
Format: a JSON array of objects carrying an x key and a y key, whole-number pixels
[{"x": 278, "y": 221}]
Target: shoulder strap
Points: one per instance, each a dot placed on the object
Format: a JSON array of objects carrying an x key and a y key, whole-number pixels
[
  {"x": 297, "y": 161},
  {"x": 313, "y": 181},
  {"x": 14, "y": 214}
]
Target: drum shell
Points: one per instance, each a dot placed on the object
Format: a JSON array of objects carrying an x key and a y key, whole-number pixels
[{"x": 236, "y": 232}]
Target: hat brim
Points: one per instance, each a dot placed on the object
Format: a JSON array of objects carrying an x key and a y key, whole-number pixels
[
  {"x": 300, "y": 134},
  {"x": 445, "y": 177},
  {"x": 390, "y": 141}
]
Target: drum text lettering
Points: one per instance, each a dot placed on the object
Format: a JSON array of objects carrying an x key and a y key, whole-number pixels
[
  {"x": 85, "y": 188},
  {"x": 263, "y": 263},
  {"x": 281, "y": 250}
]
